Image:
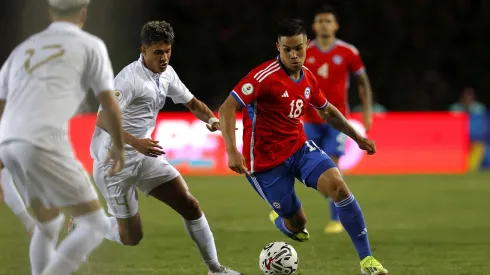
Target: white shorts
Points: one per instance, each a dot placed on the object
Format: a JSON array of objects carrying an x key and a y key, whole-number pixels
[
  {"x": 144, "y": 173},
  {"x": 56, "y": 178}
]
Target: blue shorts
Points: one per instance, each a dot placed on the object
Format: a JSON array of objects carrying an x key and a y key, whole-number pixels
[
  {"x": 326, "y": 137},
  {"x": 276, "y": 185}
]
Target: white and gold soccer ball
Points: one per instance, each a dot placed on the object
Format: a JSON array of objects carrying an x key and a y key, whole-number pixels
[{"x": 278, "y": 258}]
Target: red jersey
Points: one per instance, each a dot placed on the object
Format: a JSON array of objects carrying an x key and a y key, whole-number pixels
[
  {"x": 332, "y": 68},
  {"x": 274, "y": 103}
]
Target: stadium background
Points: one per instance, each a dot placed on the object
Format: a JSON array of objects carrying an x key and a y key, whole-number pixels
[{"x": 420, "y": 56}]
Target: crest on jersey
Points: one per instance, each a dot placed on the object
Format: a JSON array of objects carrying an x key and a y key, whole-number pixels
[
  {"x": 337, "y": 59},
  {"x": 276, "y": 205},
  {"x": 247, "y": 88},
  {"x": 311, "y": 60},
  {"x": 118, "y": 95},
  {"x": 307, "y": 92}
]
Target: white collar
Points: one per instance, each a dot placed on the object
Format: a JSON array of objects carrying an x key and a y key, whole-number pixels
[{"x": 64, "y": 25}]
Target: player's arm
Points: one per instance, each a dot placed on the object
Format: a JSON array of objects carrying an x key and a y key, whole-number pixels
[
  {"x": 356, "y": 66},
  {"x": 227, "y": 114},
  {"x": 334, "y": 118},
  {"x": 101, "y": 79},
  {"x": 181, "y": 95},
  {"x": 202, "y": 112},
  {"x": 246, "y": 92},
  {"x": 123, "y": 96},
  {"x": 366, "y": 96},
  {"x": 4, "y": 76},
  {"x": 102, "y": 84}
]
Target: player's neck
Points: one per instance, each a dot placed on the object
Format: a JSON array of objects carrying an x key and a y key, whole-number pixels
[{"x": 325, "y": 43}]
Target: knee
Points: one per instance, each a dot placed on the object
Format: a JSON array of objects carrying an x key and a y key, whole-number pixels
[
  {"x": 131, "y": 239},
  {"x": 191, "y": 209},
  {"x": 333, "y": 185}
]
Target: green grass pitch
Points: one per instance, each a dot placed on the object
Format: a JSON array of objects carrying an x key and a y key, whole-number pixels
[{"x": 427, "y": 225}]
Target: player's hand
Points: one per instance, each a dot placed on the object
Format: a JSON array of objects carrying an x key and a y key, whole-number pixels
[
  {"x": 148, "y": 147},
  {"x": 367, "y": 145},
  {"x": 116, "y": 155},
  {"x": 213, "y": 128},
  {"x": 236, "y": 162}
]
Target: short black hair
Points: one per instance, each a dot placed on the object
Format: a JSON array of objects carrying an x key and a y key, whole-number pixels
[
  {"x": 291, "y": 27},
  {"x": 157, "y": 32},
  {"x": 327, "y": 9}
]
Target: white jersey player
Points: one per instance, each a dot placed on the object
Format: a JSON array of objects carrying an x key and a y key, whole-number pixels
[
  {"x": 142, "y": 88},
  {"x": 10, "y": 195},
  {"x": 42, "y": 84}
]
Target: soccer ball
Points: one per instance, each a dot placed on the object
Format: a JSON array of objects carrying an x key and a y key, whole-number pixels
[{"x": 278, "y": 258}]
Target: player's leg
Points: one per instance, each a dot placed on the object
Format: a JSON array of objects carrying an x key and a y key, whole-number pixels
[
  {"x": 163, "y": 182},
  {"x": 333, "y": 143},
  {"x": 318, "y": 171},
  {"x": 276, "y": 187},
  {"x": 52, "y": 180},
  {"x": 15, "y": 202},
  {"x": 75, "y": 192},
  {"x": 120, "y": 193},
  {"x": 48, "y": 219}
]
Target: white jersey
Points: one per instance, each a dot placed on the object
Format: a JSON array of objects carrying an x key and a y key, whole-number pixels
[
  {"x": 141, "y": 94},
  {"x": 45, "y": 80}
]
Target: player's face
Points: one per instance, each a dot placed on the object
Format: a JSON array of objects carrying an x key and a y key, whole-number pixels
[
  {"x": 292, "y": 51},
  {"x": 157, "y": 56},
  {"x": 325, "y": 25}
]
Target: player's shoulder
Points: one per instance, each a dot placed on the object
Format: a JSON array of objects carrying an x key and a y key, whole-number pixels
[
  {"x": 312, "y": 46},
  {"x": 309, "y": 74},
  {"x": 130, "y": 75},
  {"x": 350, "y": 48},
  {"x": 169, "y": 73},
  {"x": 265, "y": 70}
]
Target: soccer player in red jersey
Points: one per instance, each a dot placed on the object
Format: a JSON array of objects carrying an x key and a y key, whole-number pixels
[
  {"x": 274, "y": 97},
  {"x": 331, "y": 60}
]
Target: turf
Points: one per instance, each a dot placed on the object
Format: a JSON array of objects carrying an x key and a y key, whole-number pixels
[{"x": 417, "y": 225}]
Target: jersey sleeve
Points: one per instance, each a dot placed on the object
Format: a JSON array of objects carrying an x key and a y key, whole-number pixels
[
  {"x": 4, "y": 78},
  {"x": 246, "y": 91},
  {"x": 355, "y": 64},
  {"x": 124, "y": 92},
  {"x": 178, "y": 91},
  {"x": 101, "y": 75},
  {"x": 318, "y": 99}
]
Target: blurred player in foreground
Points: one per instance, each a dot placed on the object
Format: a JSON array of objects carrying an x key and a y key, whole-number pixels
[
  {"x": 142, "y": 88},
  {"x": 42, "y": 84},
  {"x": 331, "y": 60},
  {"x": 274, "y": 96},
  {"x": 10, "y": 195}
]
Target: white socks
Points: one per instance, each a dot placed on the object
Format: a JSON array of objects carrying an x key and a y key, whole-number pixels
[
  {"x": 43, "y": 243},
  {"x": 76, "y": 247},
  {"x": 14, "y": 201},
  {"x": 113, "y": 233},
  {"x": 201, "y": 234}
]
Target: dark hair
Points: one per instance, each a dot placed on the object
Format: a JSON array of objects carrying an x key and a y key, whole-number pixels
[
  {"x": 327, "y": 9},
  {"x": 157, "y": 32},
  {"x": 291, "y": 27}
]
